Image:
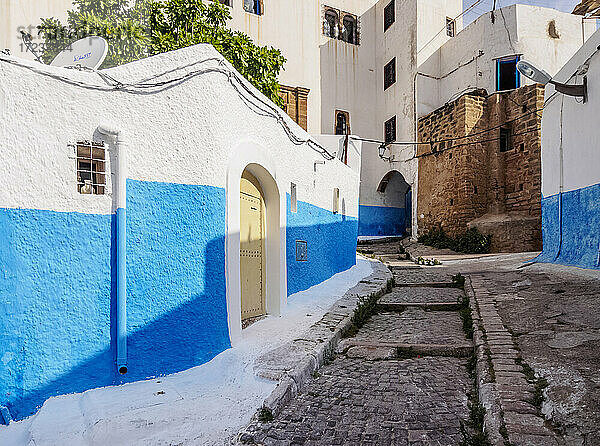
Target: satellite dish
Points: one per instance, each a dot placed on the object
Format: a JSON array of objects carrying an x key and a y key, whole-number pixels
[{"x": 89, "y": 52}]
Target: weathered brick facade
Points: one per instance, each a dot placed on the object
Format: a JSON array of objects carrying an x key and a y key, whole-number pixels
[
  {"x": 295, "y": 100},
  {"x": 470, "y": 182}
]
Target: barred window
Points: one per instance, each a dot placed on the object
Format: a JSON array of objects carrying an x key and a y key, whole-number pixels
[
  {"x": 450, "y": 27},
  {"x": 390, "y": 130},
  {"x": 389, "y": 15},
  {"x": 389, "y": 74},
  {"x": 349, "y": 29},
  {"x": 330, "y": 24},
  {"x": 91, "y": 168}
]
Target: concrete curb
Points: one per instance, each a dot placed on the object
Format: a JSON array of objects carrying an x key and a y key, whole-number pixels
[
  {"x": 489, "y": 397},
  {"x": 322, "y": 339}
]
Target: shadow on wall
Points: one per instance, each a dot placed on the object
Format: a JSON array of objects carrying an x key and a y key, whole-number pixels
[{"x": 60, "y": 338}]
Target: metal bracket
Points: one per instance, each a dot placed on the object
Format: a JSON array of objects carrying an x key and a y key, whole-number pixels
[{"x": 578, "y": 91}]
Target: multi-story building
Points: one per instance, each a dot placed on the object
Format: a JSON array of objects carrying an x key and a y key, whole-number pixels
[
  {"x": 359, "y": 67},
  {"x": 481, "y": 120}
]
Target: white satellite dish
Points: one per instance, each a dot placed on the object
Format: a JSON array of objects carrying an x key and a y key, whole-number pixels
[{"x": 89, "y": 52}]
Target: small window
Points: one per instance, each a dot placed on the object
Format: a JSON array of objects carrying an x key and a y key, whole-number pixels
[
  {"x": 342, "y": 123},
  {"x": 450, "y": 27},
  {"x": 507, "y": 75},
  {"x": 330, "y": 24},
  {"x": 293, "y": 199},
  {"x": 254, "y": 7},
  {"x": 390, "y": 130},
  {"x": 91, "y": 168},
  {"x": 505, "y": 139},
  {"x": 451, "y": 201},
  {"x": 475, "y": 191},
  {"x": 336, "y": 200},
  {"x": 225, "y": 2},
  {"x": 389, "y": 15},
  {"x": 349, "y": 29},
  {"x": 389, "y": 74}
]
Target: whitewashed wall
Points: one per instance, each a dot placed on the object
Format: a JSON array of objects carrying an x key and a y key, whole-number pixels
[
  {"x": 525, "y": 34},
  {"x": 579, "y": 128}
]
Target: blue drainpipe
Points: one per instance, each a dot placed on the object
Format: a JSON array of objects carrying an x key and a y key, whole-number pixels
[{"x": 121, "y": 205}]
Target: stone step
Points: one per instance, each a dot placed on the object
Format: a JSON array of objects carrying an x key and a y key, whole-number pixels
[
  {"x": 429, "y": 306},
  {"x": 414, "y": 326},
  {"x": 423, "y": 294},
  {"x": 397, "y": 350}
]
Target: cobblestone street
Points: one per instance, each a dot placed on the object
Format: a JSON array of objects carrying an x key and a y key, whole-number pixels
[{"x": 402, "y": 379}]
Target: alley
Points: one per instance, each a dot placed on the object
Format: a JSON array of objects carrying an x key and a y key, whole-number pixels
[
  {"x": 401, "y": 378},
  {"x": 406, "y": 375}
]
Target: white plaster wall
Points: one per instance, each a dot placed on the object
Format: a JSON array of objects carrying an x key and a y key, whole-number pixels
[
  {"x": 579, "y": 129},
  {"x": 527, "y": 27},
  {"x": 26, "y": 15},
  {"x": 172, "y": 132},
  {"x": 188, "y": 133}
]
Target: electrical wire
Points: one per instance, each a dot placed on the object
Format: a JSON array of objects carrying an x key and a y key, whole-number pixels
[
  {"x": 444, "y": 28},
  {"x": 249, "y": 97}
]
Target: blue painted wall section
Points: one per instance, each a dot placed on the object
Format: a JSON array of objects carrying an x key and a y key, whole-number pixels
[
  {"x": 57, "y": 293},
  {"x": 331, "y": 245},
  {"x": 381, "y": 221},
  {"x": 580, "y": 228}
]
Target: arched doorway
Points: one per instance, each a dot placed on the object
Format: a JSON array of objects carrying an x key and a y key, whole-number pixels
[
  {"x": 252, "y": 247},
  {"x": 250, "y": 158},
  {"x": 396, "y": 195}
]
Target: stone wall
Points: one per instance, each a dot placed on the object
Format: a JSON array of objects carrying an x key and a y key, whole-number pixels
[{"x": 465, "y": 180}]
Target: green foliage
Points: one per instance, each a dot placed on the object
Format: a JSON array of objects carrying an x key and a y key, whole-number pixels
[
  {"x": 458, "y": 281},
  {"x": 265, "y": 415},
  {"x": 143, "y": 28},
  {"x": 367, "y": 307},
  {"x": 472, "y": 432},
  {"x": 470, "y": 242}
]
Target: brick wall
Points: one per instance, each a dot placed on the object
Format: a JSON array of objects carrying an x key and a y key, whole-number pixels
[{"x": 469, "y": 182}]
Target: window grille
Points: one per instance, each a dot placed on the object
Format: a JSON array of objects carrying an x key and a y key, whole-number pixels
[
  {"x": 349, "y": 29},
  {"x": 450, "y": 27},
  {"x": 389, "y": 74},
  {"x": 91, "y": 168},
  {"x": 342, "y": 120},
  {"x": 389, "y": 15},
  {"x": 330, "y": 24},
  {"x": 390, "y": 130},
  {"x": 341, "y": 25}
]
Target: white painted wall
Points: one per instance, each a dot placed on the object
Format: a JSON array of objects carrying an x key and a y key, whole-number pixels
[
  {"x": 174, "y": 138},
  {"x": 525, "y": 34},
  {"x": 578, "y": 131},
  {"x": 26, "y": 14}
]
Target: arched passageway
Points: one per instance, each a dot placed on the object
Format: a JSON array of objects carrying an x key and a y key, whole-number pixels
[{"x": 393, "y": 216}]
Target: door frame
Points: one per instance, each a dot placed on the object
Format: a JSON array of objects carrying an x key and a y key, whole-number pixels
[{"x": 248, "y": 155}]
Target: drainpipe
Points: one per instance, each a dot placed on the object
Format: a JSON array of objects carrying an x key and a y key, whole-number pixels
[{"x": 121, "y": 205}]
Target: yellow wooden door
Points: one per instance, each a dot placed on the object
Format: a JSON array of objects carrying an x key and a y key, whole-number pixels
[{"x": 252, "y": 230}]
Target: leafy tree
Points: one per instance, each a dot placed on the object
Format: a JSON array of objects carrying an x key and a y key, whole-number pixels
[{"x": 143, "y": 28}]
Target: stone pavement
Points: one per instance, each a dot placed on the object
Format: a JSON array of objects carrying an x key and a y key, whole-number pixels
[
  {"x": 402, "y": 379},
  {"x": 539, "y": 331},
  {"x": 398, "y": 381}
]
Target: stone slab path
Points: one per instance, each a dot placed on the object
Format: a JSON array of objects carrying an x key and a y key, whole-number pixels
[{"x": 401, "y": 380}]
